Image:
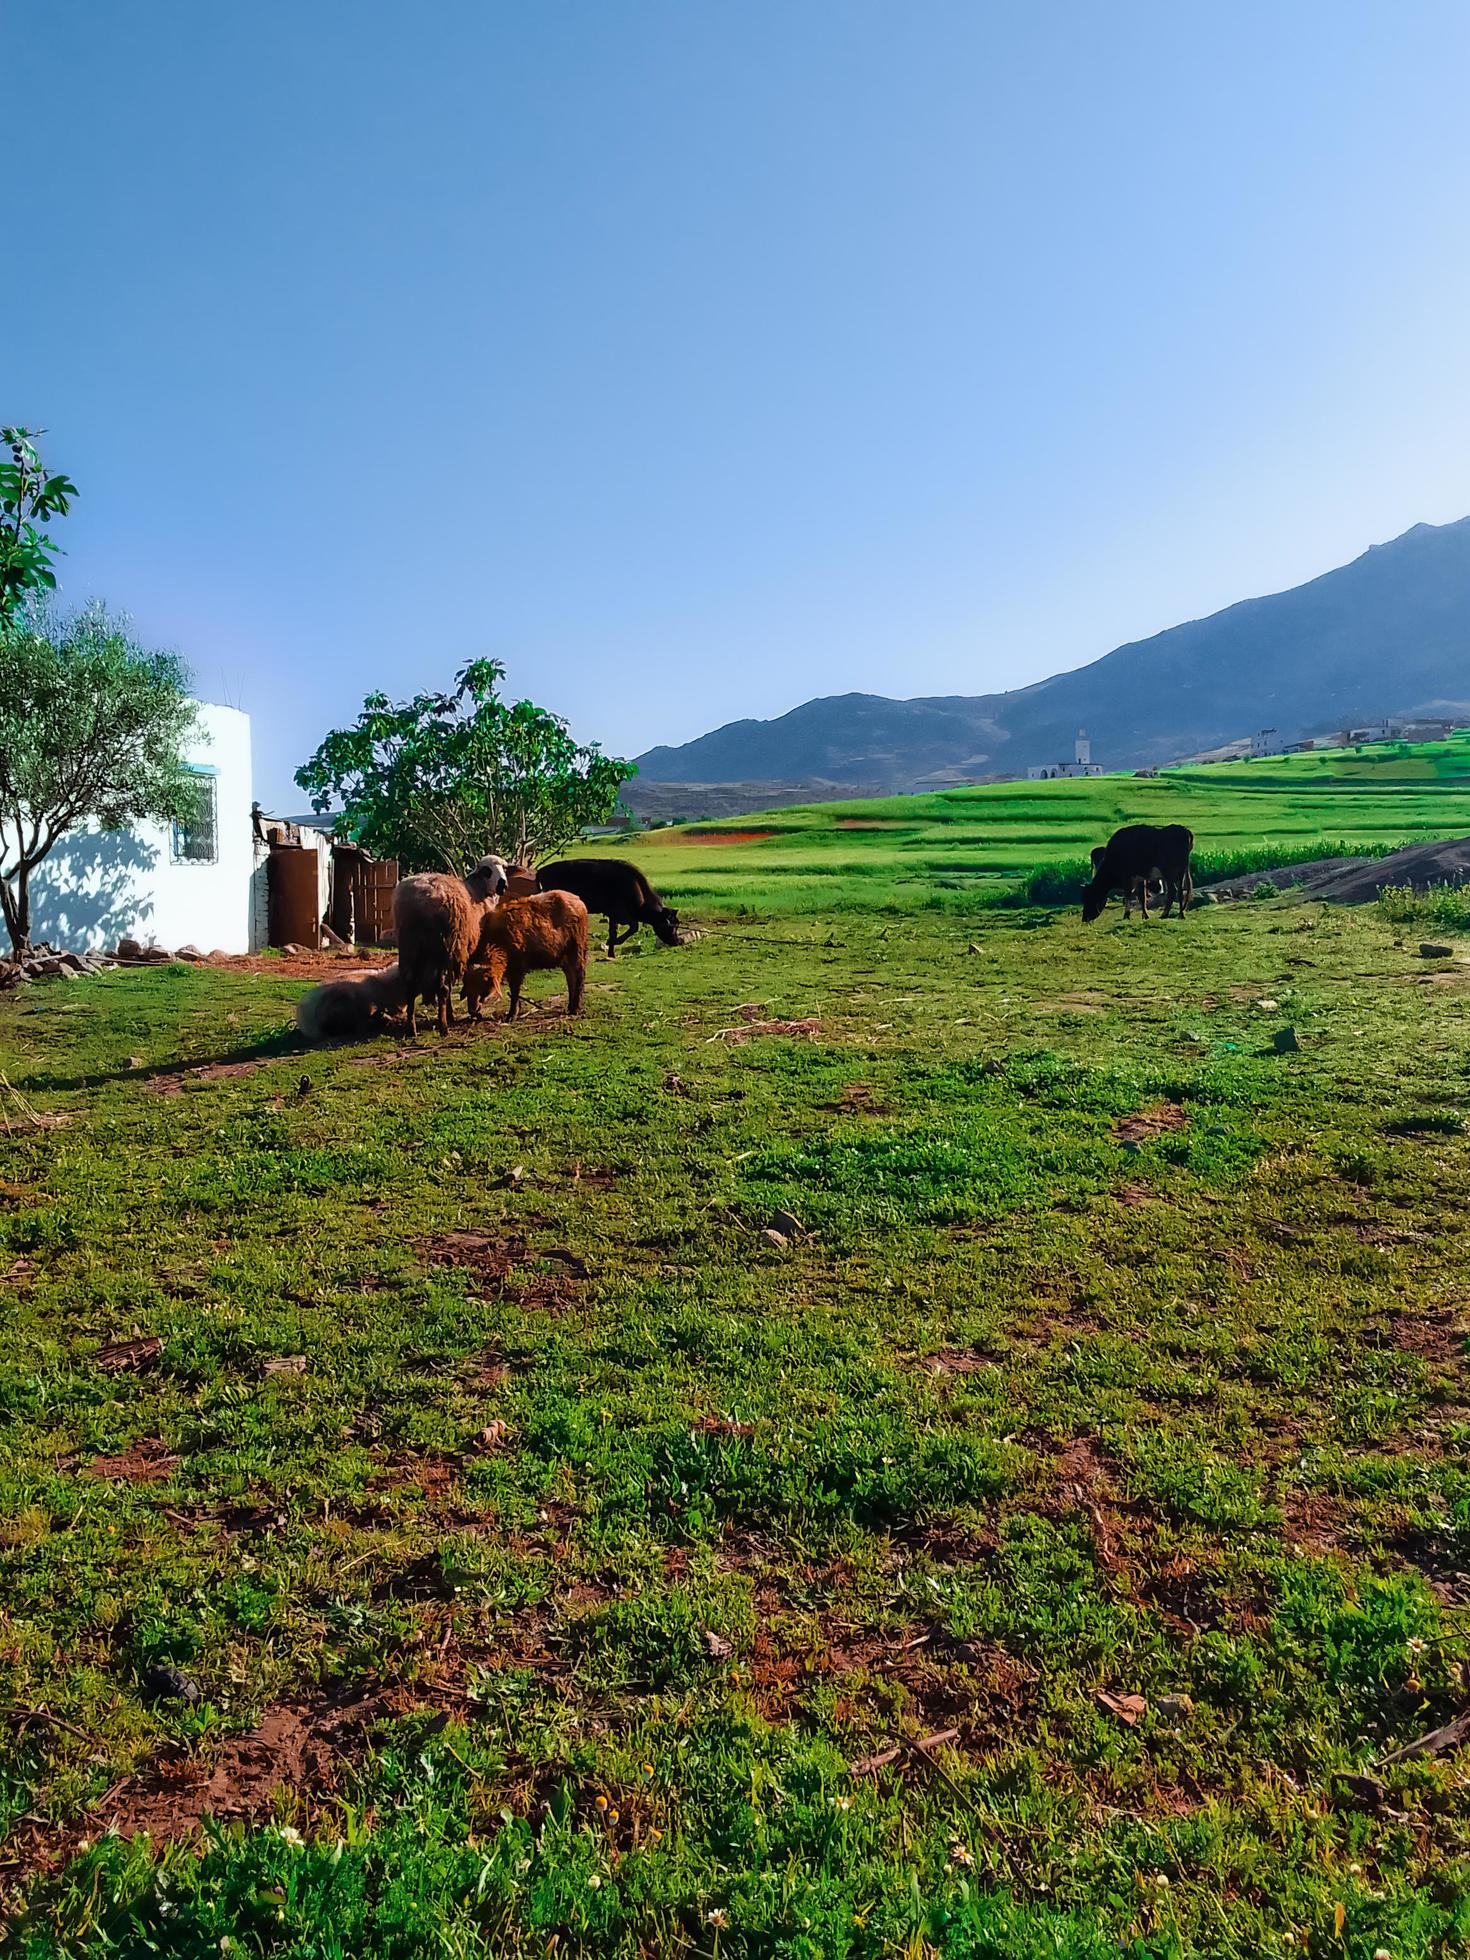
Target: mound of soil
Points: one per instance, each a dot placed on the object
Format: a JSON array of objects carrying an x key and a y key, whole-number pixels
[{"x": 1358, "y": 880}]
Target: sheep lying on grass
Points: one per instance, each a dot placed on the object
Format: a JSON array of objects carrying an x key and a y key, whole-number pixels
[
  {"x": 347, "y": 1010},
  {"x": 528, "y": 935},
  {"x": 437, "y": 921}
]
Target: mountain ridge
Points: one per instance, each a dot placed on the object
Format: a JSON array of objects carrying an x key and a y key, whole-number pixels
[{"x": 1394, "y": 620}]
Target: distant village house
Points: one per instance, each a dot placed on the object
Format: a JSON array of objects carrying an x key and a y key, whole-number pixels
[{"x": 1081, "y": 764}]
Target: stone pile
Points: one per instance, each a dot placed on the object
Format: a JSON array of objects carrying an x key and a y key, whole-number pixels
[
  {"x": 131, "y": 952},
  {"x": 43, "y": 962}
]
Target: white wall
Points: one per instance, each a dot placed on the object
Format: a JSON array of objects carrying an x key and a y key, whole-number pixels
[{"x": 99, "y": 887}]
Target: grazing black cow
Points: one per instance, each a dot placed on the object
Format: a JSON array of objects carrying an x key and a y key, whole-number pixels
[
  {"x": 1133, "y": 858},
  {"x": 1139, "y": 892},
  {"x": 619, "y": 891}
]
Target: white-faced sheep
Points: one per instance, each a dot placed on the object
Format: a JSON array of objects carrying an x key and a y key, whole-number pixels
[
  {"x": 527, "y": 935},
  {"x": 436, "y": 920},
  {"x": 347, "y": 1010}
]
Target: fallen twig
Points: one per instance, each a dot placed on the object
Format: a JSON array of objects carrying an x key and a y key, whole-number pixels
[
  {"x": 1436, "y": 1743},
  {"x": 743, "y": 1032},
  {"x": 24, "y": 1717},
  {"x": 869, "y": 1765},
  {"x": 36, "y": 1118}
]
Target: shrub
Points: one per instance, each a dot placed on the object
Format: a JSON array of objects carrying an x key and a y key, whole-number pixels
[{"x": 1447, "y": 906}]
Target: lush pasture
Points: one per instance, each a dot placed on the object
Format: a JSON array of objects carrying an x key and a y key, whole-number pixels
[
  {"x": 593, "y": 1572},
  {"x": 946, "y": 850}
]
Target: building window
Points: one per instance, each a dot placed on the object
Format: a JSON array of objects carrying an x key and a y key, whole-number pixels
[{"x": 196, "y": 837}]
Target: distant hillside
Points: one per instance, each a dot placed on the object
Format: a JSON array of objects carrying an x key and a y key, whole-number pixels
[
  {"x": 657, "y": 802},
  {"x": 945, "y": 850},
  {"x": 1389, "y": 633}
]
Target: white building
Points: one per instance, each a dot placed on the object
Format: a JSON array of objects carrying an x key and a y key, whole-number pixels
[
  {"x": 1266, "y": 741},
  {"x": 164, "y": 884},
  {"x": 1081, "y": 764}
]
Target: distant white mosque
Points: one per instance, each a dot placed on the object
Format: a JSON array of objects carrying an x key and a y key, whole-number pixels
[{"x": 1081, "y": 764}]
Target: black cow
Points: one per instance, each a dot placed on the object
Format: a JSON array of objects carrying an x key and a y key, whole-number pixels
[
  {"x": 1141, "y": 890},
  {"x": 619, "y": 891},
  {"x": 1136, "y": 856}
]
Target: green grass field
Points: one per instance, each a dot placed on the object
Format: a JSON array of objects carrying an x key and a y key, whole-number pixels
[
  {"x": 950, "y": 849},
  {"x": 566, "y": 1566}
]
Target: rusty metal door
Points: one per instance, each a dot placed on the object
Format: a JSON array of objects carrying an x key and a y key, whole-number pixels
[{"x": 295, "y": 914}]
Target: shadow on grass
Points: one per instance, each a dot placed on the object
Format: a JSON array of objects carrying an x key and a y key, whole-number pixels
[{"x": 227, "y": 1061}]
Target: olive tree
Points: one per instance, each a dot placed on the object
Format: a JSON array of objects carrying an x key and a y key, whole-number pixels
[{"x": 92, "y": 731}]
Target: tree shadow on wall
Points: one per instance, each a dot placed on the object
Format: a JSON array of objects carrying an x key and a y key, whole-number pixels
[{"x": 93, "y": 891}]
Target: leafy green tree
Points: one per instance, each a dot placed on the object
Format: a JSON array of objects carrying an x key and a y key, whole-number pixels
[
  {"x": 92, "y": 728},
  {"x": 438, "y": 781},
  {"x": 27, "y": 495}
]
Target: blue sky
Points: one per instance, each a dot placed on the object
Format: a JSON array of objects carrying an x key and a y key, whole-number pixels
[{"x": 696, "y": 359}]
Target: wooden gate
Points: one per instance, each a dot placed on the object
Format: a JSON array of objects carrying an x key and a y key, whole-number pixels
[{"x": 362, "y": 895}]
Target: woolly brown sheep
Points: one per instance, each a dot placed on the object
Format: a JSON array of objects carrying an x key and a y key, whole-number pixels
[
  {"x": 437, "y": 921},
  {"x": 346, "y": 1010},
  {"x": 527, "y": 935}
]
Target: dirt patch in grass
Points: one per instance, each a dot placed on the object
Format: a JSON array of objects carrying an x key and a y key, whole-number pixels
[
  {"x": 1084, "y": 1001},
  {"x": 858, "y": 1099},
  {"x": 1314, "y": 1521},
  {"x": 1240, "y": 1263},
  {"x": 722, "y": 1426},
  {"x": 911, "y": 1682},
  {"x": 551, "y": 1293},
  {"x": 1439, "y": 1560},
  {"x": 1085, "y": 1484},
  {"x": 959, "y": 1361},
  {"x": 297, "y": 1747},
  {"x": 305, "y": 965},
  {"x": 723, "y": 836},
  {"x": 1436, "y": 1337},
  {"x": 490, "y": 1254},
  {"x": 148, "y": 1461},
  {"x": 1133, "y": 1197},
  {"x": 1185, "y": 1597},
  {"x": 947, "y": 1542},
  {"x": 1084, "y": 1466},
  {"x": 1374, "y": 1232},
  {"x": 436, "y": 1476},
  {"x": 237, "y": 1518},
  {"x": 174, "y": 1081},
  {"x": 422, "y": 1578},
  {"x": 1156, "y": 1121},
  {"x": 491, "y": 1257}
]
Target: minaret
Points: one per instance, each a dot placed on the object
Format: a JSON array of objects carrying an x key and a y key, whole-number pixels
[{"x": 1083, "y": 749}]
